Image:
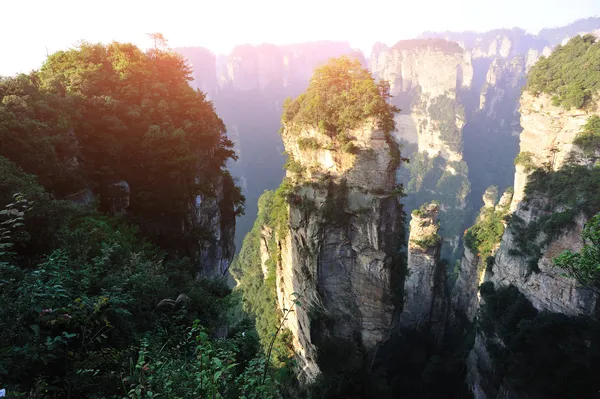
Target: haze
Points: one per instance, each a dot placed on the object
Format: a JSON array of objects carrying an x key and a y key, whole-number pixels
[{"x": 219, "y": 26}]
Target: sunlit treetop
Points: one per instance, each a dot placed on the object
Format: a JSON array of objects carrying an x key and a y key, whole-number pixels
[
  {"x": 571, "y": 74},
  {"x": 341, "y": 95}
]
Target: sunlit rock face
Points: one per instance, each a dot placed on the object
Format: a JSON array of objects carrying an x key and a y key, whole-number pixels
[
  {"x": 426, "y": 76},
  {"x": 338, "y": 253},
  {"x": 500, "y": 60},
  {"x": 547, "y": 138}
]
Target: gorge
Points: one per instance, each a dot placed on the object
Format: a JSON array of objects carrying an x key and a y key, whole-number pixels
[{"x": 422, "y": 221}]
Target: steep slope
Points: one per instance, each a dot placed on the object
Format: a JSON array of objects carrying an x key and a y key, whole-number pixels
[
  {"x": 333, "y": 237},
  {"x": 425, "y": 77},
  {"x": 500, "y": 59},
  {"x": 556, "y": 191},
  {"x": 425, "y": 304}
]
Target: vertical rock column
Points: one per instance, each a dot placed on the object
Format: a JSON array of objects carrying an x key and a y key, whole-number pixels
[{"x": 425, "y": 300}]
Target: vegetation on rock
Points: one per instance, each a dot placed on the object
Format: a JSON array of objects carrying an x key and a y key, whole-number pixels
[
  {"x": 570, "y": 74},
  {"x": 540, "y": 354},
  {"x": 341, "y": 95},
  {"x": 101, "y": 305},
  {"x": 483, "y": 237},
  {"x": 584, "y": 266},
  {"x": 589, "y": 138}
]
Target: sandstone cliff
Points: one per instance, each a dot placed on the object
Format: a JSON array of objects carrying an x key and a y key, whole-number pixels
[
  {"x": 337, "y": 249},
  {"x": 425, "y": 304},
  {"x": 215, "y": 216},
  {"x": 500, "y": 60},
  {"x": 528, "y": 246},
  {"x": 425, "y": 77}
]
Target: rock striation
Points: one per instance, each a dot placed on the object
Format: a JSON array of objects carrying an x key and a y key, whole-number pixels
[
  {"x": 337, "y": 250},
  {"x": 425, "y": 304},
  {"x": 426, "y": 76},
  {"x": 546, "y": 142}
]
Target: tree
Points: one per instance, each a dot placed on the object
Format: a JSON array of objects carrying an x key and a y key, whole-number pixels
[
  {"x": 585, "y": 265},
  {"x": 159, "y": 40}
]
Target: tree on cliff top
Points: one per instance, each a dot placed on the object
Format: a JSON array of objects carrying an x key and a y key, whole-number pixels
[
  {"x": 571, "y": 74},
  {"x": 340, "y": 96}
]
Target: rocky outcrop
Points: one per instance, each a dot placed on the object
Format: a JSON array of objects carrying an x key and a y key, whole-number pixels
[
  {"x": 465, "y": 293},
  {"x": 546, "y": 140},
  {"x": 425, "y": 78},
  {"x": 337, "y": 251},
  {"x": 425, "y": 304},
  {"x": 500, "y": 60},
  {"x": 215, "y": 216}
]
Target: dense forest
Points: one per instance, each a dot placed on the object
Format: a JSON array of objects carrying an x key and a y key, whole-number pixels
[
  {"x": 97, "y": 301},
  {"x": 116, "y": 203}
]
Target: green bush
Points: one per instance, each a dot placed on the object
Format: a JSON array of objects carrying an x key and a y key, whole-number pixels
[
  {"x": 589, "y": 137},
  {"x": 525, "y": 159},
  {"x": 306, "y": 143},
  {"x": 585, "y": 265},
  {"x": 341, "y": 95},
  {"x": 569, "y": 74},
  {"x": 542, "y": 354}
]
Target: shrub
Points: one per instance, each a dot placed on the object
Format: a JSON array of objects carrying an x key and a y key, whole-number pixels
[
  {"x": 341, "y": 95},
  {"x": 542, "y": 353},
  {"x": 525, "y": 159},
  {"x": 569, "y": 74}
]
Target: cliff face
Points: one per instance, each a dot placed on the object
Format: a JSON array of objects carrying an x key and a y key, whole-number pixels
[
  {"x": 425, "y": 305},
  {"x": 268, "y": 66},
  {"x": 500, "y": 60},
  {"x": 248, "y": 87},
  {"x": 547, "y": 138},
  {"x": 215, "y": 216},
  {"x": 425, "y": 77},
  {"x": 546, "y": 142},
  {"x": 343, "y": 229}
]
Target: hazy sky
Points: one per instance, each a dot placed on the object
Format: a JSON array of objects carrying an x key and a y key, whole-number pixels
[{"x": 29, "y": 28}]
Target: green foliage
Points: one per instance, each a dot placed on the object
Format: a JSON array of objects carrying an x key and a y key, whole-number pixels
[
  {"x": 423, "y": 210},
  {"x": 443, "y": 111},
  {"x": 88, "y": 306},
  {"x": 305, "y": 143},
  {"x": 541, "y": 354},
  {"x": 569, "y": 192},
  {"x": 429, "y": 241},
  {"x": 525, "y": 159},
  {"x": 589, "y": 137},
  {"x": 258, "y": 290},
  {"x": 341, "y": 95},
  {"x": 72, "y": 320},
  {"x": 294, "y": 166},
  {"x": 486, "y": 233},
  {"x": 102, "y": 113},
  {"x": 584, "y": 266},
  {"x": 350, "y": 148},
  {"x": 570, "y": 74}
]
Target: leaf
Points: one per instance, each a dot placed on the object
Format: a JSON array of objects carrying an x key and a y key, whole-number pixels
[{"x": 35, "y": 328}]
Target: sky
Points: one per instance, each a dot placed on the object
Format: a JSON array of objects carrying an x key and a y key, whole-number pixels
[{"x": 32, "y": 28}]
